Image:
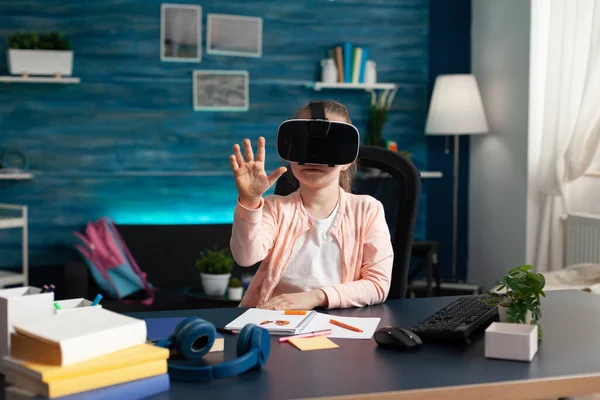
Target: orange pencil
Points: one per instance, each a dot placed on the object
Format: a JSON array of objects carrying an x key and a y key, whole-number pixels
[
  {"x": 338, "y": 323},
  {"x": 295, "y": 312}
]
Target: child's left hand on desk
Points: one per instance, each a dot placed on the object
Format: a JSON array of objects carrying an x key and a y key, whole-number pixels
[{"x": 296, "y": 301}]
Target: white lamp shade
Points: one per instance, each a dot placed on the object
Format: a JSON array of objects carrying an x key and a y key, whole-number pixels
[{"x": 456, "y": 107}]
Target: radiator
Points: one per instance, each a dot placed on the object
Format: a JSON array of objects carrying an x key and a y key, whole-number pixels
[{"x": 582, "y": 239}]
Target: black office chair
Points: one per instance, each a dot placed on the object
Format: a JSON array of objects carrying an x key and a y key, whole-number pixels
[{"x": 395, "y": 181}]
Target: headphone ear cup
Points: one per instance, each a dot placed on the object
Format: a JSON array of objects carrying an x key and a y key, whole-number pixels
[
  {"x": 244, "y": 343},
  {"x": 253, "y": 349},
  {"x": 169, "y": 341},
  {"x": 188, "y": 334},
  {"x": 256, "y": 338}
]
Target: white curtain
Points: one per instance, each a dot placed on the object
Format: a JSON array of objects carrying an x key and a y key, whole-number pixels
[{"x": 571, "y": 117}]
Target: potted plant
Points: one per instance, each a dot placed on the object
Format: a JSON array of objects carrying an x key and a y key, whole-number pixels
[
  {"x": 235, "y": 289},
  {"x": 215, "y": 270},
  {"x": 44, "y": 54},
  {"x": 379, "y": 108},
  {"x": 519, "y": 294}
]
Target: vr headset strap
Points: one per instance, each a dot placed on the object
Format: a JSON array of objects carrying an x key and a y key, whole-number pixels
[{"x": 317, "y": 110}]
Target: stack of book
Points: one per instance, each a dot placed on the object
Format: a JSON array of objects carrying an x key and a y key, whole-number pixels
[
  {"x": 350, "y": 62},
  {"x": 94, "y": 354}
]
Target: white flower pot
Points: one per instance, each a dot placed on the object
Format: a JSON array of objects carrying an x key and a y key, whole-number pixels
[
  {"x": 502, "y": 311},
  {"x": 40, "y": 62},
  {"x": 215, "y": 285},
  {"x": 235, "y": 293}
]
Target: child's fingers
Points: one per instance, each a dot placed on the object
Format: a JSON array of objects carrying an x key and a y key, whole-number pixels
[
  {"x": 238, "y": 155},
  {"x": 233, "y": 162},
  {"x": 260, "y": 156},
  {"x": 248, "y": 150},
  {"x": 276, "y": 175}
]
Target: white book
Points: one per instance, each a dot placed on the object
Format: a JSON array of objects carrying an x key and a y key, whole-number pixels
[
  {"x": 69, "y": 338},
  {"x": 275, "y": 321}
]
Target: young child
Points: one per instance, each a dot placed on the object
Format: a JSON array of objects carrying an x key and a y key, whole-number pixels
[{"x": 320, "y": 246}]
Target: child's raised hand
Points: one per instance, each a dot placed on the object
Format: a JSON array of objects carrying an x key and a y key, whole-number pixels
[{"x": 250, "y": 177}]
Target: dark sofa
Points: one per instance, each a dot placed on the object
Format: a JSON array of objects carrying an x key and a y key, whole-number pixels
[{"x": 166, "y": 253}]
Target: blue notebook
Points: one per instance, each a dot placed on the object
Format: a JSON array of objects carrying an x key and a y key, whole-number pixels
[{"x": 133, "y": 390}]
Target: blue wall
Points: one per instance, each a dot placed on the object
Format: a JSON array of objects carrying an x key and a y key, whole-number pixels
[
  {"x": 449, "y": 53},
  {"x": 99, "y": 148}
]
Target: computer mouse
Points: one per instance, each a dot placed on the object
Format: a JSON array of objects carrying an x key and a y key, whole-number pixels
[{"x": 397, "y": 338}]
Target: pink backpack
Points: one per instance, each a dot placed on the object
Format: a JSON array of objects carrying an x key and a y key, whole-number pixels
[{"x": 111, "y": 263}]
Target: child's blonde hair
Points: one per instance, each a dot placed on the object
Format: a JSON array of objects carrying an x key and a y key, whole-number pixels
[{"x": 334, "y": 108}]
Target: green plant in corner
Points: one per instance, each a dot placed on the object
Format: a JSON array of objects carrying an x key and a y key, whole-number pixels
[
  {"x": 235, "y": 283},
  {"x": 216, "y": 262},
  {"x": 379, "y": 108},
  {"x": 33, "y": 41},
  {"x": 521, "y": 291}
]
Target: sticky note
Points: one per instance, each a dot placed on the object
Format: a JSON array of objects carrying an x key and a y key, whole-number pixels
[{"x": 313, "y": 343}]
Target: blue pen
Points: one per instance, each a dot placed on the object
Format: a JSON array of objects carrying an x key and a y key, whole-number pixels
[{"x": 97, "y": 300}]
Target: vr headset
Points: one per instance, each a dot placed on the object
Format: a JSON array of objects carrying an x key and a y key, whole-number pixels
[
  {"x": 317, "y": 140},
  {"x": 193, "y": 338}
]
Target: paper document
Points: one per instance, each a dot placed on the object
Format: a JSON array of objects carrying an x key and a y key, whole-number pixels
[
  {"x": 275, "y": 321},
  {"x": 322, "y": 321}
]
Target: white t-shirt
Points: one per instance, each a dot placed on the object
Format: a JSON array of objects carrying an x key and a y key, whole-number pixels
[{"x": 316, "y": 259}]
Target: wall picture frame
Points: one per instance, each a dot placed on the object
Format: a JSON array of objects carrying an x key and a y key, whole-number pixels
[
  {"x": 221, "y": 90},
  {"x": 234, "y": 35},
  {"x": 180, "y": 32}
]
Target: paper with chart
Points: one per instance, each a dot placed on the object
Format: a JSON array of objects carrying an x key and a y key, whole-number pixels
[
  {"x": 322, "y": 322},
  {"x": 276, "y": 322}
]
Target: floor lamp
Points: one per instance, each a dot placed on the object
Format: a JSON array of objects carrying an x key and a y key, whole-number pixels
[{"x": 456, "y": 109}]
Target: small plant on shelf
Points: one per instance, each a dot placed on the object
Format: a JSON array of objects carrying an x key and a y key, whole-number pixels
[
  {"x": 235, "y": 289},
  {"x": 30, "y": 53},
  {"x": 33, "y": 41},
  {"x": 235, "y": 283},
  {"x": 215, "y": 268},
  {"x": 519, "y": 296},
  {"x": 379, "y": 107},
  {"x": 215, "y": 262}
]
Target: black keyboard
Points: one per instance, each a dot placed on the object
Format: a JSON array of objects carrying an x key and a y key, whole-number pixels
[{"x": 458, "y": 320}]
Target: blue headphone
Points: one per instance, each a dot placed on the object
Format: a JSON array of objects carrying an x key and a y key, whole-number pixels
[{"x": 193, "y": 337}]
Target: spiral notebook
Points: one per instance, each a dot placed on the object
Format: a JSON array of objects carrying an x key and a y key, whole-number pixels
[{"x": 275, "y": 321}]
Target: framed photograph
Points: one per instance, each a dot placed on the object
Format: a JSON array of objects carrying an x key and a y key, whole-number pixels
[
  {"x": 180, "y": 32},
  {"x": 234, "y": 35},
  {"x": 221, "y": 90}
]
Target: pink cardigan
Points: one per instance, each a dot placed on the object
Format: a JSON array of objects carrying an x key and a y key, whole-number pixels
[{"x": 269, "y": 232}]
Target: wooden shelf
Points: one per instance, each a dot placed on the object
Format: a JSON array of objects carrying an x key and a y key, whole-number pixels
[
  {"x": 362, "y": 86},
  {"x": 38, "y": 79},
  {"x": 16, "y": 176}
]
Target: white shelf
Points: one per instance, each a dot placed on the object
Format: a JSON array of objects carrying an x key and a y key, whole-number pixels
[
  {"x": 364, "y": 86},
  {"x": 11, "y": 278},
  {"x": 38, "y": 79},
  {"x": 6, "y": 222},
  {"x": 16, "y": 176},
  {"x": 11, "y": 222},
  {"x": 431, "y": 174}
]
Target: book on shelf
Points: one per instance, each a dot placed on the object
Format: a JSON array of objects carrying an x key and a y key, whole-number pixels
[{"x": 350, "y": 62}]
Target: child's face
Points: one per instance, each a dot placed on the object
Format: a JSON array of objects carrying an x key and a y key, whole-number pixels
[{"x": 318, "y": 176}]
